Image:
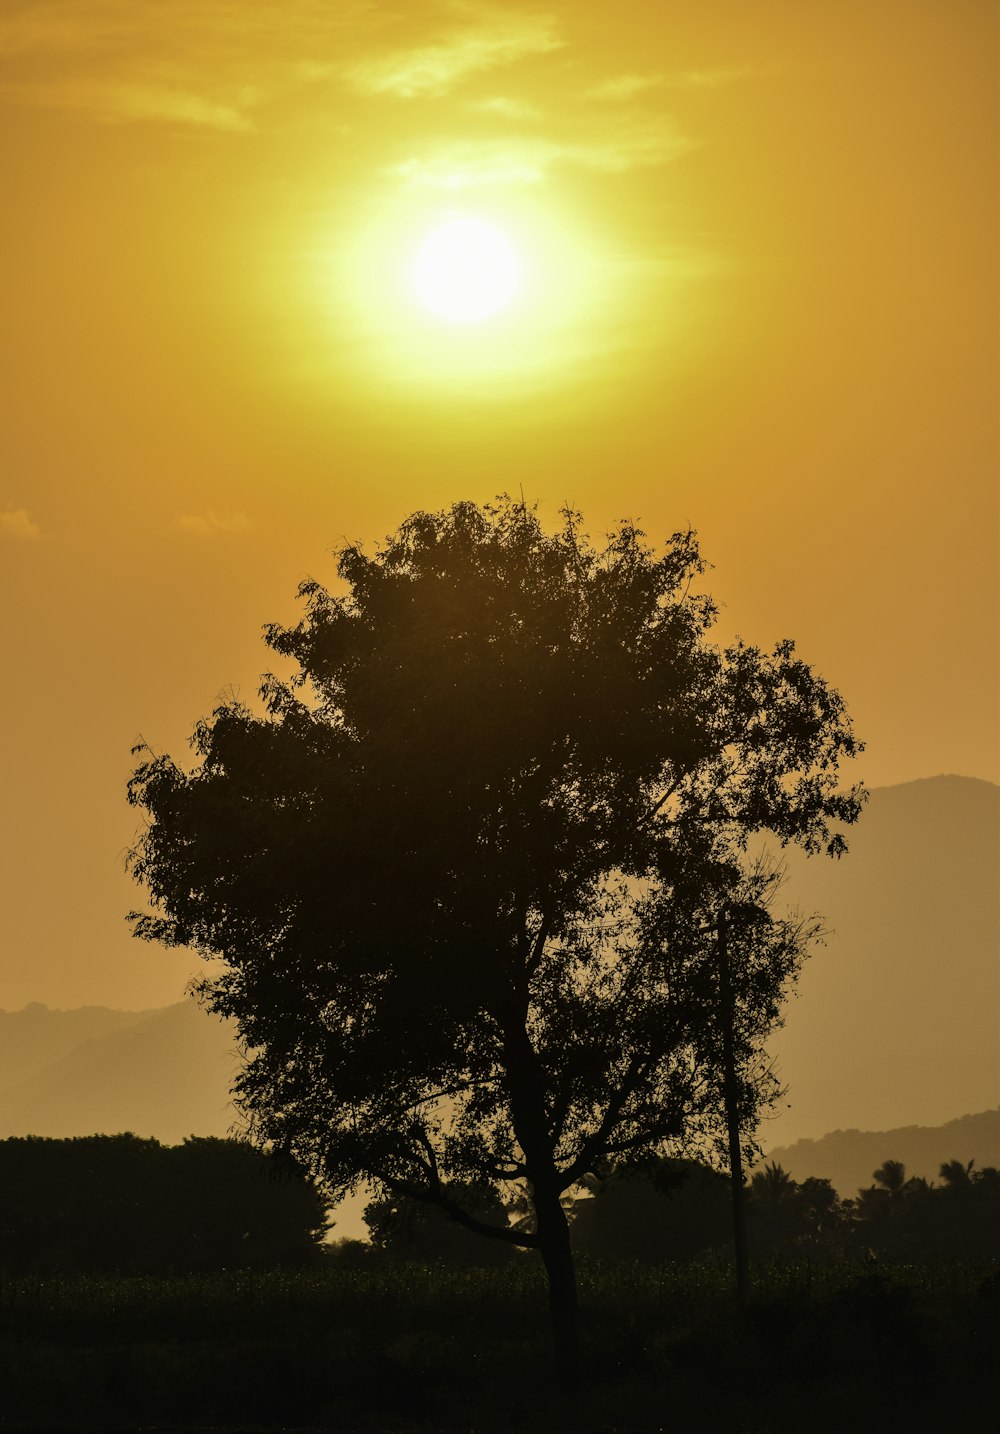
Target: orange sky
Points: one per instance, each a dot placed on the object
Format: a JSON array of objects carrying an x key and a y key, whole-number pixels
[{"x": 763, "y": 239}]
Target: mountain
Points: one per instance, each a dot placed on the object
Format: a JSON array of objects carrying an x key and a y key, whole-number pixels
[
  {"x": 34, "y": 1038},
  {"x": 896, "y": 1018},
  {"x": 848, "y": 1158},
  {"x": 163, "y": 1073}
]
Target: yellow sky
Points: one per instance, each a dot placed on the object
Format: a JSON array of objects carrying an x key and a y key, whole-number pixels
[{"x": 761, "y": 238}]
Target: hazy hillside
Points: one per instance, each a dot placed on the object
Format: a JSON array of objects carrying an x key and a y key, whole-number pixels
[
  {"x": 848, "y": 1158},
  {"x": 897, "y": 1018},
  {"x": 163, "y": 1073},
  {"x": 33, "y": 1038}
]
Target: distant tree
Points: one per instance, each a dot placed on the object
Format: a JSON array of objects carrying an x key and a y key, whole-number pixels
[
  {"x": 891, "y": 1216},
  {"x": 789, "y": 1220},
  {"x": 463, "y": 873},
  {"x": 121, "y": 1203},
  {"x": 774, "y": 1211},
  {"x": 823, "y": 1223},
  {"x": 957, "y": 1176},
  {"x": 232, "y": 1206},
  {"x": 653, "y": 1211},
  {"x": 408, "y": 1229},
  {"x": 891, "y": 1177}
]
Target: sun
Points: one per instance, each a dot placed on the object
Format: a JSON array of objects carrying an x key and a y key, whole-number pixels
[{"x": 465, "y": 270}]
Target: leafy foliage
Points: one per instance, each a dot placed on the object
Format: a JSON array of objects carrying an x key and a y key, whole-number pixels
[
  {"x": 119, "y": 1202},
  {"x": 653, "y": 1211},
  {"x": 406, "y": 1229},
  {"x": 464, "y": 872}
]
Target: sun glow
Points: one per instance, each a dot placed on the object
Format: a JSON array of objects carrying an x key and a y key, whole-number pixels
[
  {"x": 466, "y": 270},
  {"x": 517, "y": 298}
]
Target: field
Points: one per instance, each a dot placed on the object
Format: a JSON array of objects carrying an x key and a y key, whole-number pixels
[{"x": 426, "y": 1348}]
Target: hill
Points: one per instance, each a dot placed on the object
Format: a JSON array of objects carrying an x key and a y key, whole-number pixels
[
  {"x": 897, "y": 1018},
  {"x": 848, "y": 1158},
  {"x": 161, "y": 1073},
  {"x": 36, "y": 1037}
]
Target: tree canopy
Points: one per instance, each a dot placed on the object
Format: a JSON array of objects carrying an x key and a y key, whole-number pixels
[
  {"x": 463, "y": 869},
  {"x": 128, "y": 1204}
]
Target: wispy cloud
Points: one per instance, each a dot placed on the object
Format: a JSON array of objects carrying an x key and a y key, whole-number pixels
[
  {"x": 17, "y": 523},
  {"x": 475, "y": 165},
  {"x": 212, "y": 524},
  {"x": 505, "y": 108},
  {"x": 180, "y": 106},
  {"x": 215, "y": 29},
  {"x": 622, "y": 88},
  {"x": 121, "y": 102},
  {"x": 437, "y": 68},
  {"x": 202, "y": 63}
]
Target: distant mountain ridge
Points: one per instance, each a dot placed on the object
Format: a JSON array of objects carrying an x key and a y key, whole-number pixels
[
  {"x": 163, "y": 1073},
  {"x": 849, "y": 1158},
  {"x": 36, "y": 1036}
]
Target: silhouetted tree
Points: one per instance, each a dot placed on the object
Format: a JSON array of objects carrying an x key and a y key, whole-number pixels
[
  {"x": 892, "y": 1216},
  {"x": 956, "y": 1176},
  {"x": 653, "y": 1211},
  {"x": 404, "y": 1228},
  {"x": 461, "y": 870},
  {"x": 122, "y": 1203},
  {"x": 789, "y": 1220}
]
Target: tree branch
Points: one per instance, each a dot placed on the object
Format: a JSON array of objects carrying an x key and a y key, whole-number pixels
[
  {"x": 597, "y": 1143},
  {"x": 508, "y": 1234}
]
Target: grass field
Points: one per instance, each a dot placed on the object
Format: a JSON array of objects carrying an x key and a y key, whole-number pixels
[{"x": 426, "y": 1348}]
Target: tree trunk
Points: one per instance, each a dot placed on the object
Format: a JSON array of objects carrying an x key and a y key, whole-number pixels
[
  {"x": 557, "y": 1255},
  {"x": 528, "y": 1111},
  {"x": 733, "y": 1117}
]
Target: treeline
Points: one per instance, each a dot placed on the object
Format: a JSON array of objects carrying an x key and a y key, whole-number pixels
[
  {"x": 119, "y": 1203},
  {"x": 122, "y": 1204},
  {"x": 675, "y": 1210}
]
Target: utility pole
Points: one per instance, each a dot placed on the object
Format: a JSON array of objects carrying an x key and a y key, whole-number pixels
[{"x": 731, "y": 1091}]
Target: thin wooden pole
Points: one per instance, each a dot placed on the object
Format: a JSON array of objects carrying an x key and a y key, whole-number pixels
[{"x": 731, "y": 1090}]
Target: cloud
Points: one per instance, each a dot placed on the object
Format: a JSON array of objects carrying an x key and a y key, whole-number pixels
[
  {"x": 212, "y": 524},
  {"x": 505, "y": 108},
  {"x": 476, "y": 165},
  {"x": 202, "y": 63},
  {"x": 435, "y": 69},
  {"x": 621, "y": 88},
  {"x": 16, "y": 523},
  {"x": 121, "y": 102},
  {"x": 178, "y": 106},
  {"x": 472, "y": 165},
  {"x": 708, "y": 79},
  {"x": 216, "y": 30},
  {"x": 624, "y": 87}
]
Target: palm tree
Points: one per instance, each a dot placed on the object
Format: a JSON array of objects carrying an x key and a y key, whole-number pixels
[
  {"x": 957, "y": 1176},
  {"x": 891, "y": 1177},
  {"x": 774, "y": 1208}
]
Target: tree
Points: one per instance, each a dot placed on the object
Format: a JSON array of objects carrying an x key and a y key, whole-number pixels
[
  {"x": 408, "y": 1229},
  {"x": 652, "y": 1211},
  {"x": 463, "y": 870},
  {"x": 892, "y": 1216},
  {"x": 122, "y": 1203},
  {"x": 792, "y": 1219}
]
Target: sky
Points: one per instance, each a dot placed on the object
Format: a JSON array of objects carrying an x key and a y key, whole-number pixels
[{"x": 758, "y": 296}]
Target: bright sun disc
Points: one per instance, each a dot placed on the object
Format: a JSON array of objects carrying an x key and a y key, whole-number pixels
[{"x": 466, "y": 270}]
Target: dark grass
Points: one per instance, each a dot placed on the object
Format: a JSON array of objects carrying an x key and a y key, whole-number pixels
[{"x": 417, "y": 1349}]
